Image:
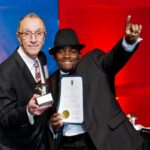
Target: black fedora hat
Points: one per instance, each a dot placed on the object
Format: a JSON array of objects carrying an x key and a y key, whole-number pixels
[{"x": 65, "y": 37}]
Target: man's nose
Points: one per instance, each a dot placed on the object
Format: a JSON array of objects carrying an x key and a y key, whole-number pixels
[
  {"x": 33, "y": 38},
  {"x": 67, "y": 54}
]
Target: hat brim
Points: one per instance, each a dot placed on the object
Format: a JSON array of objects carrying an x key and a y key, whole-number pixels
[{"x": 53, "y": 50}]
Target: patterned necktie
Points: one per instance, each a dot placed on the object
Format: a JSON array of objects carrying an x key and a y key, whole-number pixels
[{"x": 37, "y": 72}]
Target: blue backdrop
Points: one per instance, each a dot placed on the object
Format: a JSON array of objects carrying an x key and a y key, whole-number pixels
[{"x": 11, "y": 11}]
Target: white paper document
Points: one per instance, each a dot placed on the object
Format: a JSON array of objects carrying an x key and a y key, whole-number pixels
[{"x": 71, "y": 99}]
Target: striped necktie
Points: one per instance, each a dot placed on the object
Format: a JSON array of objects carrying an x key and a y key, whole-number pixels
[{"x": 37, "y": 72}]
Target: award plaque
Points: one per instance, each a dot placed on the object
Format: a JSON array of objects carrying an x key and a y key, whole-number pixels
[
  {"x": 44, "y": 98},
  {"x": 71, "y": 99}
]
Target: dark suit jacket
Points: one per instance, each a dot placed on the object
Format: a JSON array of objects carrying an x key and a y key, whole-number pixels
[
  {"x": 16, "y": 89},
  {"x": 104, "y": 120}
]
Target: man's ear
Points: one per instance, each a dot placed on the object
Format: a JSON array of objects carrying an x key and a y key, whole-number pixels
[{"x": 18, "y": 37}]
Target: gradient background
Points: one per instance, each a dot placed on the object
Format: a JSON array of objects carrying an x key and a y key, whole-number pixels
[
  {"x": 99, "y": 24},
  {"x": 11, "y": 11}
]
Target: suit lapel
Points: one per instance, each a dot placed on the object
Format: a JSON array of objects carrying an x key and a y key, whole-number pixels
[
  {"x": 25, "y": 71},
  {"x": 54, "y": 85}
]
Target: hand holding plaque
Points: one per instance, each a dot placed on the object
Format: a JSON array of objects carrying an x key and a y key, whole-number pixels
[{"x": 44, "y": 98}]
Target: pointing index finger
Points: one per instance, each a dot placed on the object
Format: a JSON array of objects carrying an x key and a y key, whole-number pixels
[{"x": 128, "y": 20}]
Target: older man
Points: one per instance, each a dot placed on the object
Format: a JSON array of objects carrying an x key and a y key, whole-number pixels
[{"x": 22, "y": 121}]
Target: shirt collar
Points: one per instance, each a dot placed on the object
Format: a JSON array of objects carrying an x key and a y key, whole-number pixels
[
  {"x": 63, "y": 73},
  {"x": 29, "y": 61}
]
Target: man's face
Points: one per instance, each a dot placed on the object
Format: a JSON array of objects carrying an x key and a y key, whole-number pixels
[
  {"x": 31, "y": 35},
  {"x": 67, "y": 58}
]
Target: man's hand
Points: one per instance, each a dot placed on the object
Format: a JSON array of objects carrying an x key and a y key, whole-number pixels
[
  {"x": 132, "y": 31},
  {"x": 56, "y": 121},
  {"x": 34, "y": 108}
]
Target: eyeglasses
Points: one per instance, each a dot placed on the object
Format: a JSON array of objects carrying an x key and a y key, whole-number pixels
[{"x": 28, "y": 34}]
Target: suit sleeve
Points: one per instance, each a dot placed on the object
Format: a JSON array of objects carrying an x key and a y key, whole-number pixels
[{"x": 115, "y": 59}]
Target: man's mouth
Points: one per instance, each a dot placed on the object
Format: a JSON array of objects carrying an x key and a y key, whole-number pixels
[
  {"x": 33, "y": 46},
  {"x": 66, "y": 62}
]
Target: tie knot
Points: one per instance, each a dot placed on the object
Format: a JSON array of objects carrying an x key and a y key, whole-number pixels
[{"x": 36, "y": 64}]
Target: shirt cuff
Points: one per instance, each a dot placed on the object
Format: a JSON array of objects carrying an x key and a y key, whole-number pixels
[
  {"x": 128, "y": 47},
  {"x": 30, "y": 117}
]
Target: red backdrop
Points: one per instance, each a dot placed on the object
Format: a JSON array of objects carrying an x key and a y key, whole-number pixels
[{"x": 101, "y": 23}]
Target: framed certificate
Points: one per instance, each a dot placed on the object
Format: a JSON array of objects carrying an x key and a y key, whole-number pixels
[{"x": 71, "y": 99}]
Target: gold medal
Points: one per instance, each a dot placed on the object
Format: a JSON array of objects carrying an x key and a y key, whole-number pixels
[{"x": 65, "y": 114}]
